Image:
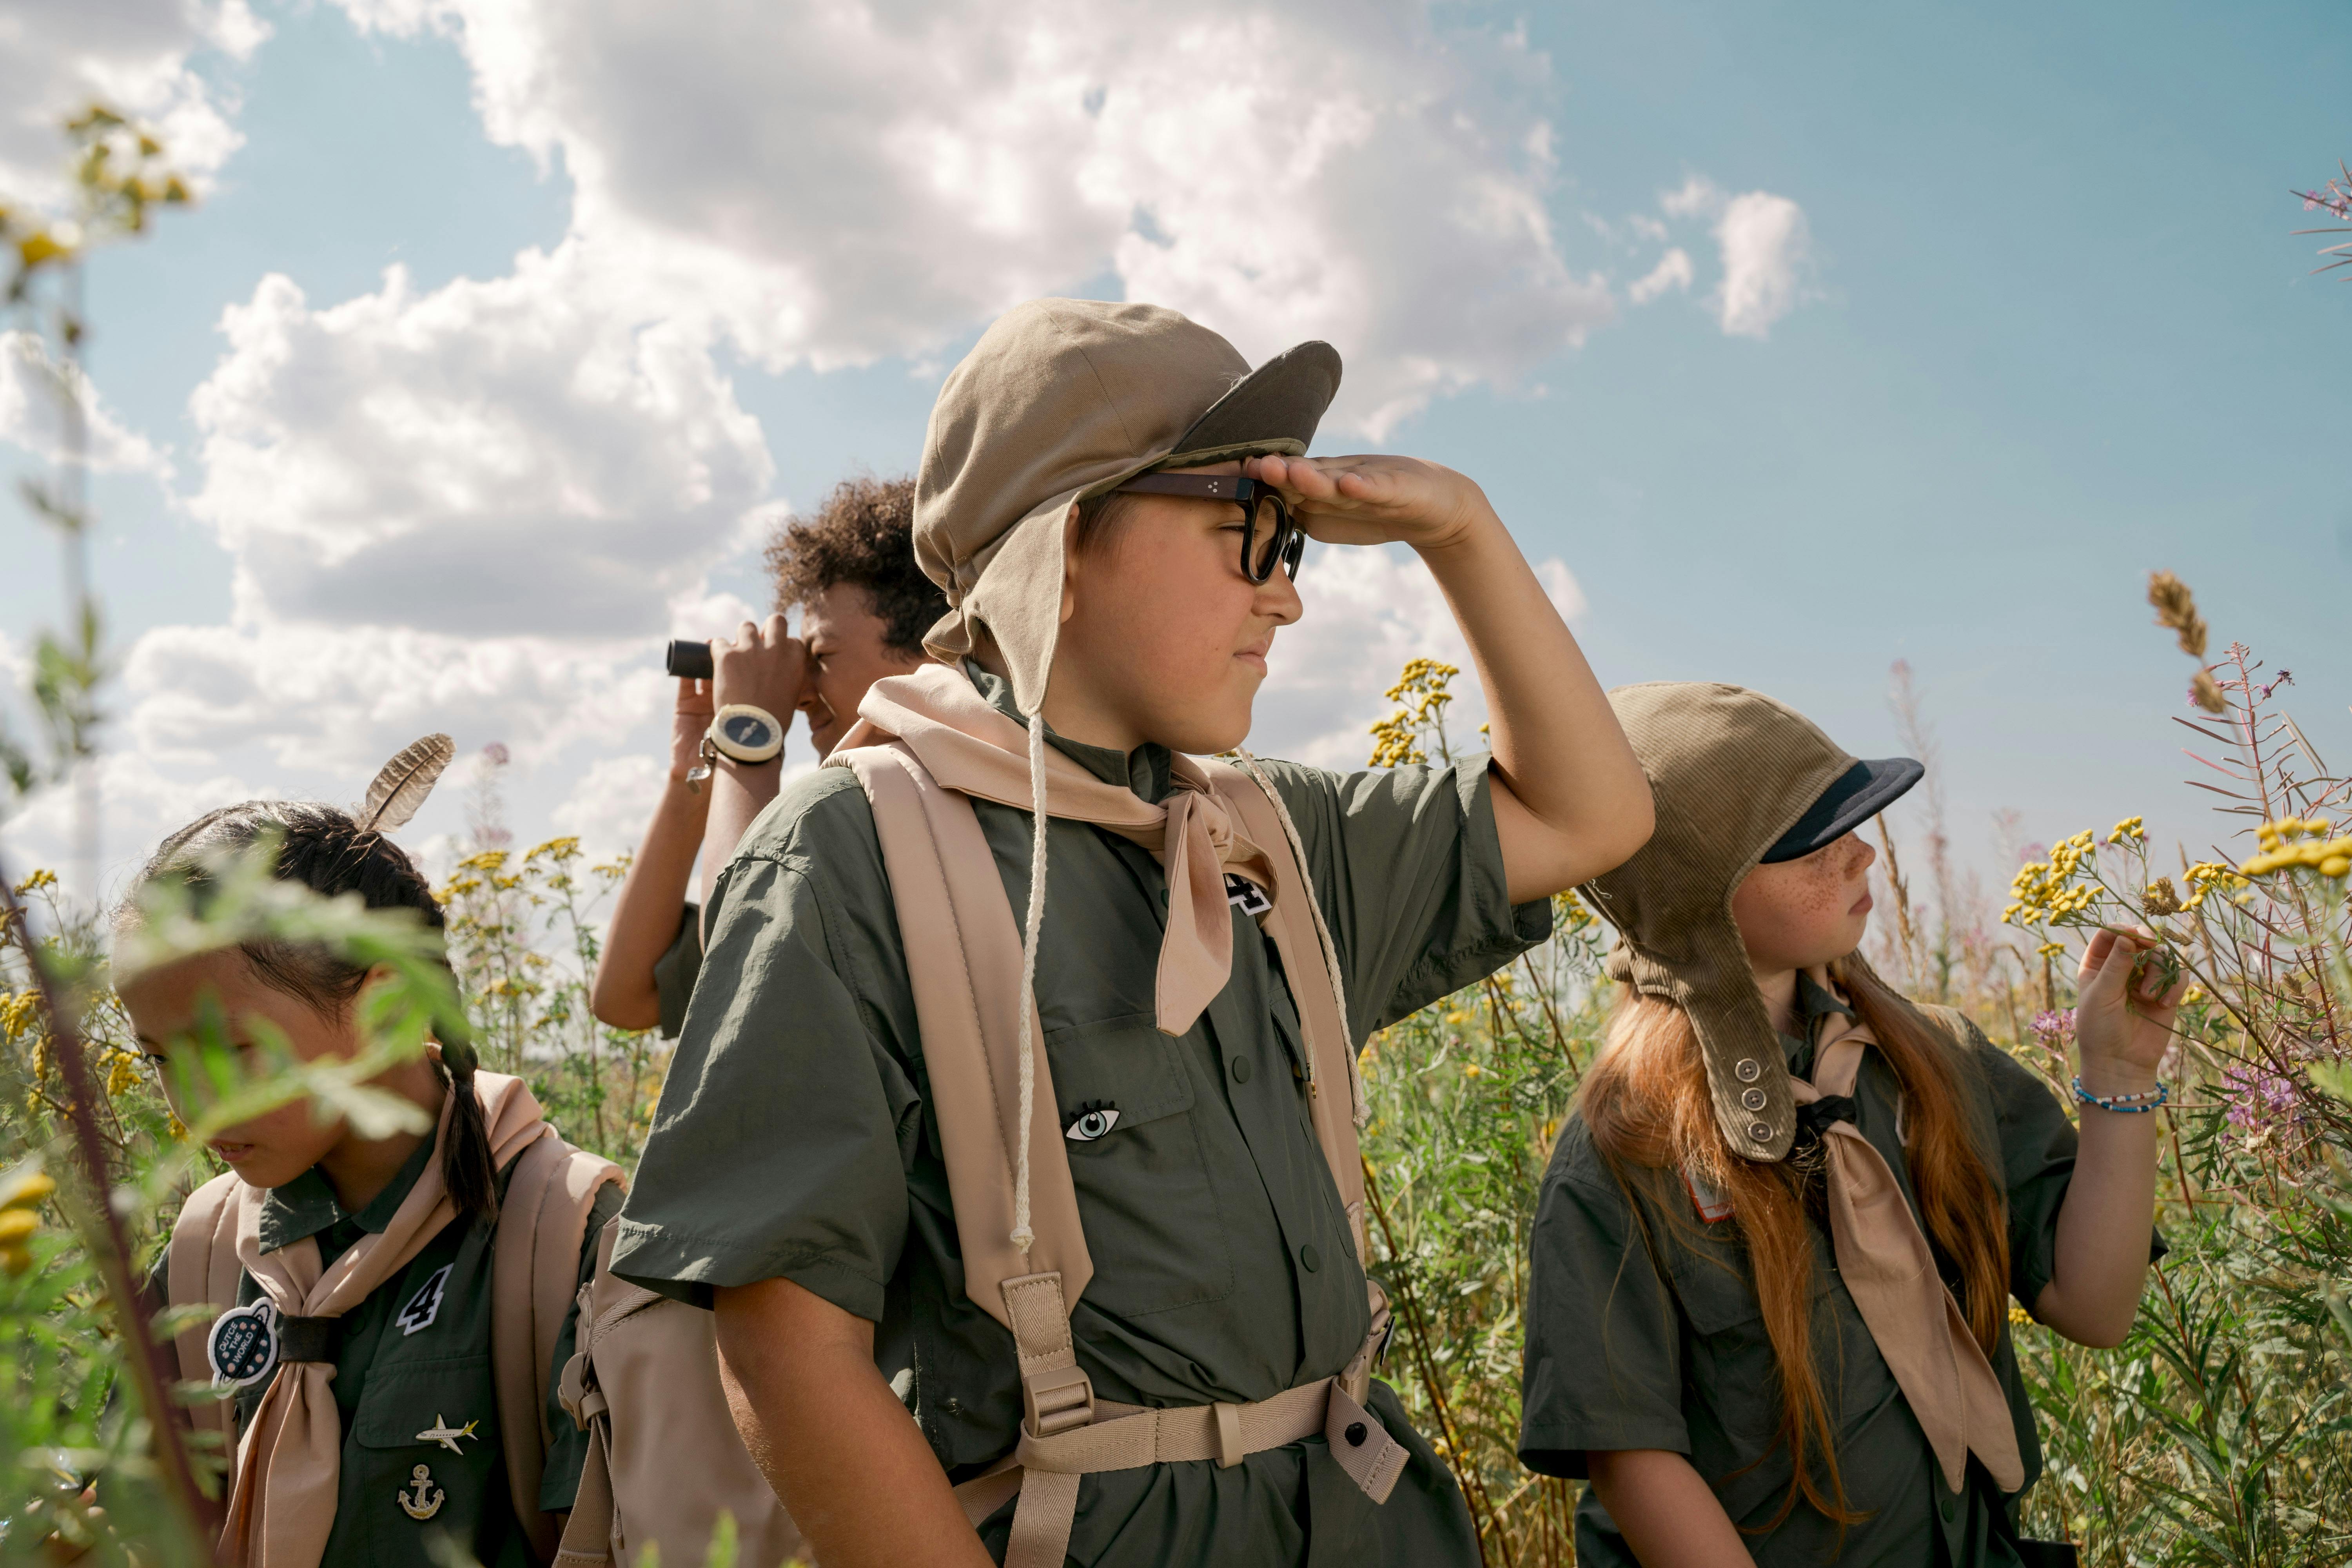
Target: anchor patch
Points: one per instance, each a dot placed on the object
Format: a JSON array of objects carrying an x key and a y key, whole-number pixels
[{"x": 428, "y": 1498}]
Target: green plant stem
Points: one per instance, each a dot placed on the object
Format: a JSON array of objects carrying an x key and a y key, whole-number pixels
[{"x": 143, "y": 1355}]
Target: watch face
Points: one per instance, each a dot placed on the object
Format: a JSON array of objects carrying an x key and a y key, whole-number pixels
[{"x": 748, "y": 731}]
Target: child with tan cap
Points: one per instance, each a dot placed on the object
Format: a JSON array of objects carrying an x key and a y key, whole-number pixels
[
  {"x": 1034, "y": 1233},
  {"x": 1768, "y": 1309}
]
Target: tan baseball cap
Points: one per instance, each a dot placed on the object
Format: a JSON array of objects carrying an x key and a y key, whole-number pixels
[
  {"x": 1062, "y": 400},
  {"x": 1738, "y": 779}
]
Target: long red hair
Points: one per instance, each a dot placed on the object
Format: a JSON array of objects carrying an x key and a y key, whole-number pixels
[{"x": 1645, "y": 1102}]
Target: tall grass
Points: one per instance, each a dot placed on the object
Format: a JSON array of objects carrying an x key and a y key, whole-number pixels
[{"x": 2218, "y": 1434}]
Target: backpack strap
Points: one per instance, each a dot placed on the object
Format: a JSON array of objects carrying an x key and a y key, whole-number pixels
[
  {"x": 1311, "y": 966},
  {"x": 963, "y": 948},
  {"x": 200, "y": 1267},
  {"x": 534, "y": 1274}
]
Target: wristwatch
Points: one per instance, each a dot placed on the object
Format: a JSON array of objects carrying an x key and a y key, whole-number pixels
[{"x": 745, "y": 734}]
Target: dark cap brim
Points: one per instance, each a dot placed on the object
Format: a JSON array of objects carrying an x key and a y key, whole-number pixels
[
  {"x": 1282, "y": 400},
  {"x": 1861, "y": 793}
]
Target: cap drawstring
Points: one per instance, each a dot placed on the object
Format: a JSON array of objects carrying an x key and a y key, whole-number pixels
[
  {"x": 1023, "y": 1237},
  {"x": 1250, "y": 765}
]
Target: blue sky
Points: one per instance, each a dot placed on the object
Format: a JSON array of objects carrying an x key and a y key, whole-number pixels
[{"x": 2052, "y": 331}]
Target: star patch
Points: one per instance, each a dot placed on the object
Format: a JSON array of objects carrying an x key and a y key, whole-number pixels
[
  {"x": 426, "y": 1305},
  {"x": 1247, "y": 896}
]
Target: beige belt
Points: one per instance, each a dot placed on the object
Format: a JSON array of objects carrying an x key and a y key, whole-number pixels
[{"x": 1044, "y": 1471}]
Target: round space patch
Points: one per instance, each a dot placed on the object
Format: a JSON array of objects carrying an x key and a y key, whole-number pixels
[{"x": 242, "y": 1345}]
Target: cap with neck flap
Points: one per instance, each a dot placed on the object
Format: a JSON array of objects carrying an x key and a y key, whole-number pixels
[
  {"x": 1732, "y": 772},
  {"x": 1062, "y": 400}
]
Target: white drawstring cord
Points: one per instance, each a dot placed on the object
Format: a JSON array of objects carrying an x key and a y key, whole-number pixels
[
  {"x": 1356, "y": 1106},
  {"x": 1023, "y": 1237}
]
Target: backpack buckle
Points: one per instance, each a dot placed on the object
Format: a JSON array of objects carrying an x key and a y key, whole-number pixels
[{"x": 1057, "y": 1399}]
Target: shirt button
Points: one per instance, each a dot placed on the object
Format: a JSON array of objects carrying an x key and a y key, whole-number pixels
[
  {"x": 1240, "y": 1069},
  {"x": 1310, "y": 1258},
  {"x": 1949, "y": 1506}
]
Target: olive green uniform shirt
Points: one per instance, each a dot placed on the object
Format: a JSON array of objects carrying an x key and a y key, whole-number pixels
[
  {"x": 415, "y": 1355},
  {"x": 1644, "y": 1332},
  {"x": 676, "y": 970},
  {"x": 795, "y": 1139}
]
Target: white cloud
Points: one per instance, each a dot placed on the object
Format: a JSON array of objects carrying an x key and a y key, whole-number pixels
[
  {"x": 318, "y": 698},
  {"x": 1764, "y": 245},
  {"x": 523, "y": 456},
  {"x": 847, "y": 182},
  {"x": 608, "y": 808},
  {"x": 1672, "y": 271},
  {"x": 31, "y": 412},
  {"x": 1367, "y": 613},
  {"x": 1696, "y": 196},
  {"x": 144, "y": 802},
  {"x": 59, "y": 58}
]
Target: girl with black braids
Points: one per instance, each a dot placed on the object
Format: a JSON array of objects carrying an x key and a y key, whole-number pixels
[{"x": 392, "y": 1354}]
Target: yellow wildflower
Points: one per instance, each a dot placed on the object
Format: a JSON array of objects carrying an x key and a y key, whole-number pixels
[
  {"x": 2019, "y": 1317},
  {"x": 2127, "y": 831},
  {"x": 2293, "y": 844}
]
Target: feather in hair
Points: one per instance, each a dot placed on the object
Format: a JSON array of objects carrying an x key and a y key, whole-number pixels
[{"x": 404, "y": 783}]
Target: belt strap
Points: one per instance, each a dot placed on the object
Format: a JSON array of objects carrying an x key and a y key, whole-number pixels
[{"x": 1044, "y": 1471}]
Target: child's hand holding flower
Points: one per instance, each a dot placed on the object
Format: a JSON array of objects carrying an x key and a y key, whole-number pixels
[{"x": 2129, "y": 992}]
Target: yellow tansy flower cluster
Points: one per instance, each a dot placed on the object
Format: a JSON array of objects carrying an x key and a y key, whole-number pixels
[
  {"x": 2128, "y": 831},
  {"x": 2044, "y": 891},
  {"x": 2209, "y": 876},
  {"x": 18, "y": 1014},
  {"x": 2292, "y": 842},
  {"x": 22, "y": 1192}
]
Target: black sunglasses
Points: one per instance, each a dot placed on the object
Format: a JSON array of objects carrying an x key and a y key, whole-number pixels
[{"x": 1268, "y": 538}]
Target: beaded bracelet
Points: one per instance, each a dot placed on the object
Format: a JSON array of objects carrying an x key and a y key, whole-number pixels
[{"x": 2123, "y": 1104}]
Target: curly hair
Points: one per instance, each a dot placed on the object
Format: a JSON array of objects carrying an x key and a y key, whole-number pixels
[{"x": 863, "y": 535}]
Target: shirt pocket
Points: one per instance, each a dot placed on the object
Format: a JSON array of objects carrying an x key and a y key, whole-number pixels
[
  {"x": 400, "y": 1487},
  {"x": 1139, "y": 1168}
]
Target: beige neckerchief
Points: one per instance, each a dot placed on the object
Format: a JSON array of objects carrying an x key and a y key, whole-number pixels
[
  {"x": 290, "y": 1462},
  {"x": 1891, "y": 1274},
  {"x": 971, "y": 747}
]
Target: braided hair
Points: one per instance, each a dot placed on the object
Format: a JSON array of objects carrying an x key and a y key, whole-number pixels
[{"x": 326, "y": 850}]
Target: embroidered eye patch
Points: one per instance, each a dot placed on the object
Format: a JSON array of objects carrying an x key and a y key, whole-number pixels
[{"x": 1090, "y": 1120}]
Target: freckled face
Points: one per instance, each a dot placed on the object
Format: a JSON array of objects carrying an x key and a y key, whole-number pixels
[{"x": 1800, "y": 914}]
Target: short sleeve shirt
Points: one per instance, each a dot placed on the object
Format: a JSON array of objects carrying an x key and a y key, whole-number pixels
[
  {"x": 674, "y": 971},
  {"x": 794, "y": 1138},
  {"x": 1644, "y": 1332},
  {"x": 411, "y": 1357}
]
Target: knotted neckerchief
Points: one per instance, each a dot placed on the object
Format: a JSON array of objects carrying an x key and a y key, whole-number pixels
[
  {"x": 969, "y": 746},
  {"x": 290, "y": 1464},
  {"x": 1891, "y": 1275}
]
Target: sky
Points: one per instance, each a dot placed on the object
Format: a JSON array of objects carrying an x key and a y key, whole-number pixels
[{"x": 1790, "y": 340}]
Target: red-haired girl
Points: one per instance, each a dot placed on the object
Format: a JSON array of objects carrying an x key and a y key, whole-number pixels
[{"x": 1768, "y": 1315}]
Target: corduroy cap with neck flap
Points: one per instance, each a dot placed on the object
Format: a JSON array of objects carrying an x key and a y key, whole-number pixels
[
  {"x": 1732, "y": 770},
  {"x": 1059, "y": 401}
]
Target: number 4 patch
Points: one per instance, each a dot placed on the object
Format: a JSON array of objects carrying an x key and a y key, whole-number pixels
[{"x": 426, "y": 1305}]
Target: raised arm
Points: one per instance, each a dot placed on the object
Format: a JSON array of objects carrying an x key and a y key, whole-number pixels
[
  {"x": 2124, "y": 1023},
  {"x": 653, "y": 896},
  {"x": 1571, "y": 801},
  {"x": 766, "y": 668}
]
